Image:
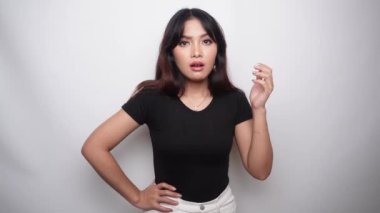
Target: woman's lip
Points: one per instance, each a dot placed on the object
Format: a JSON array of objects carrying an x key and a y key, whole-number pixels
[
  {"x": 197, "y": 68},
  {"x": 199, "y": 63}
]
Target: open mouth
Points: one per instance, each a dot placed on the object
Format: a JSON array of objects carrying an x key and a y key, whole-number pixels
[{"x": 197, "y": 65}]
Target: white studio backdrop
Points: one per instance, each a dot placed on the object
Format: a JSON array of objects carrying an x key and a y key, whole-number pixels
[{"x": 66, "y": 66}]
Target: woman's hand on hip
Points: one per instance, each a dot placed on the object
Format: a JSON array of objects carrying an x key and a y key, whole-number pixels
[{"x": 151, "y": 197}]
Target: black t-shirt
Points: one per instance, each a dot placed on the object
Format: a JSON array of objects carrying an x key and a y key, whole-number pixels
[{"x": 190, "y": 148}]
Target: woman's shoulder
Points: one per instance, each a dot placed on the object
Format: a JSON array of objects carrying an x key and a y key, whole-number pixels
[
  {"x": 147, "y": 91},
  {"x": 236, "y": 96},
  {"x": 143, "y": 97},
  {"x": 234, "y": 92}
]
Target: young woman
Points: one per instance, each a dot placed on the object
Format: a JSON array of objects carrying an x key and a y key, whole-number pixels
[{"x": 193, "y": 113}]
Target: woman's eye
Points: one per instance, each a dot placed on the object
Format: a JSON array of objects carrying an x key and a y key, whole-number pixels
[
  {"x": 207, "y": 41},
  {"x": 183, "y": 43}
]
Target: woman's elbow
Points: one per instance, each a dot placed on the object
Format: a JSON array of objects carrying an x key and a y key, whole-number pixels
[
  {"x": 262, "y": 177},
  {"x": 88, "y": 149},
  {"x": 85, "y": 150}
]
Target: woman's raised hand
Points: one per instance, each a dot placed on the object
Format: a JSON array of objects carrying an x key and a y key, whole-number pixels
[
  {"x": 151, "y": 197},
  {"x": 263, "y": 86}
]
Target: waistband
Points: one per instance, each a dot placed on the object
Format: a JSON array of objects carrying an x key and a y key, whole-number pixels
[{"x": 223, "y": 199}]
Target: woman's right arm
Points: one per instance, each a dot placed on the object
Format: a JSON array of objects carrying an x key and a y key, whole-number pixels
[{"x": 97, "y": 149}]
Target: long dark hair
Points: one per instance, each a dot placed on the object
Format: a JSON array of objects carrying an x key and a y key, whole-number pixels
[{"x": 168, "y": 77}]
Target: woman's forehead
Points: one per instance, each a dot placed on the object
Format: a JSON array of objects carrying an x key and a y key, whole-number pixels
[{"x": 193, "y": 28}]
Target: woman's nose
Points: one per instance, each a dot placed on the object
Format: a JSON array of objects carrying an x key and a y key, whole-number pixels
[{"x": 196, "y": 51}]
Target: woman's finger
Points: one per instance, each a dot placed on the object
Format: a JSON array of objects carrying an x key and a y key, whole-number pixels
[
  {"x": 261, "y": 74},
  {"x": 262, "y": 83},
  {"x": 165, "y": 199},
  {"x": 169, "y": 193},
  {"x": 264, "y": 71},
  {"x": 160, "y": 208},
  {"x": 267, "y": 78},
  {"x": 164, "y": 185},
  {"x": 259, "y": 81},
  {"x": 263, "y": 68}
]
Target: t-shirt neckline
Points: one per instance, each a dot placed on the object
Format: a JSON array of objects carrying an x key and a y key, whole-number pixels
[{"x": 204, "y": 109}]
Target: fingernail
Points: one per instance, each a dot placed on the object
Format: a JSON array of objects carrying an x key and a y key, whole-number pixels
[{"x": 174, "y": 188}]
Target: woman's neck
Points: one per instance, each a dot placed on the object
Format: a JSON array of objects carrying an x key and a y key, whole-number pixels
[{"x": 196, "y": 89}]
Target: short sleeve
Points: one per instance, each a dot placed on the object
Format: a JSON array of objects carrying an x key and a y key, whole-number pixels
[
  {"x": 137, "y": 106},
  {"x": 243, "y": 108}
]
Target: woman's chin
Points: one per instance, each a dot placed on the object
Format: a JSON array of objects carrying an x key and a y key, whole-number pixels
[{"x": 197, "y": 77}]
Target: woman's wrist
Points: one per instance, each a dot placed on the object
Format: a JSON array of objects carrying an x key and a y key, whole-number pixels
[{"x": 259, "y": 110}]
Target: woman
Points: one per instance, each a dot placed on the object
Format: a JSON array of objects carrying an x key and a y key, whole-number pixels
[{"x": 193, "y": 112}]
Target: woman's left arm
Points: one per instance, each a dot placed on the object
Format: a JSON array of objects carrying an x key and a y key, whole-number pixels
[{"x": 252, "y": 136}]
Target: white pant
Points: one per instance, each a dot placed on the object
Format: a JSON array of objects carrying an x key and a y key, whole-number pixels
[{"x": 224, "y": 203}]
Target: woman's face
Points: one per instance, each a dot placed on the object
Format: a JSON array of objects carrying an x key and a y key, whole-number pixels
[{"x": 196, "y": 52}]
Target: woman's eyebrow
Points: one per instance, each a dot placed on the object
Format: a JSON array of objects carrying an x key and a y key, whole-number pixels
[{"x": 189, "y": 37}]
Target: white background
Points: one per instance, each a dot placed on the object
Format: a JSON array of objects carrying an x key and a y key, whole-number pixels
[{"x": 68, "y": 65}]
